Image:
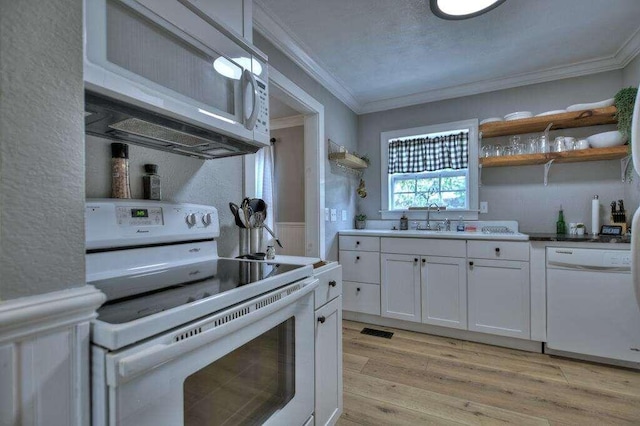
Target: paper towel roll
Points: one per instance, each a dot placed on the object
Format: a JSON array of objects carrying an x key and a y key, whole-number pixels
[{"x": 595, "y": 216}]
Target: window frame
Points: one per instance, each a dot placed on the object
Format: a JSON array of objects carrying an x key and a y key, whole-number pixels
[{"x": 472, "y": 171}]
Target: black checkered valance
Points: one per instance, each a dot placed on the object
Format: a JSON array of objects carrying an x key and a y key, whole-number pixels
[{"x": 429, "y": 154}]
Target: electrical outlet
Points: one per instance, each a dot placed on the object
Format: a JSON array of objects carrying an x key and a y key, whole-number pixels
[
  {"x": 326, "y": 215},
  {"x": 344, "y": 215},
  {"x": 334, "y": 215},
  {"x": 484, "y": 207}
]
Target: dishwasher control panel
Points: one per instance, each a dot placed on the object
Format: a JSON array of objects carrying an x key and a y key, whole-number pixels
[
  {"x": 585, "y": 259},
  {"x": 616, "y": 258}
]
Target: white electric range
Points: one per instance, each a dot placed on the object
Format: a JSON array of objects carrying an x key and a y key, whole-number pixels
[{"x": 186, "y": 337}]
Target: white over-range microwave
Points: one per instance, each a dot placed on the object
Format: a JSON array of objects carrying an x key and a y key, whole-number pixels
[{"x": 163, "y": 74}]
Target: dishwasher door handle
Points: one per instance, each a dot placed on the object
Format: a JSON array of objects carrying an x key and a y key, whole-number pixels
[{"x": 561, "y": 265}]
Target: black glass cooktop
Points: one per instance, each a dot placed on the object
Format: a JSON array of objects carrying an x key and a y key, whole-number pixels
[{"x": 220, "y": 276}]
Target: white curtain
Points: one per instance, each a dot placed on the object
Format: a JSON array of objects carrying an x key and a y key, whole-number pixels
[{"x": 265, "y": 183}]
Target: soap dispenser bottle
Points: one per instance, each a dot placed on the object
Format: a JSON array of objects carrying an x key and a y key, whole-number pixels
[{"x": 404, "y": 222}]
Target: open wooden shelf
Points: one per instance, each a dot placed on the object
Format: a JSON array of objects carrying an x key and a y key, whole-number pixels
[
  {"x": 348, "y": 160},
  {"x": 591, "y": 154},
  {"x": 565, "y": 120}
]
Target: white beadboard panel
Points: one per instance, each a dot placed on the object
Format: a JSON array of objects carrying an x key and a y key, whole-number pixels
[
  {"x": 44, "y": 358},
  {"x": 291, "y": 235}
]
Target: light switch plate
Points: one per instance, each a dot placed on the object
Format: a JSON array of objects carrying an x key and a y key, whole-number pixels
[
  {"x": 334, "y": 215},
  {"x": 344, "y": 215},
  {"x": 326, "y": 214},
  {"x": 484, "y": 207}
]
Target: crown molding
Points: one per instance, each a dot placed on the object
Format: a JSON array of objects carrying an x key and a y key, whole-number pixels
[
  {"x": 286, "y": 122},
  {"x": 269, "y": 26}
]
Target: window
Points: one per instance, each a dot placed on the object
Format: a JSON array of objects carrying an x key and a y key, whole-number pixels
[{"x": 431, "y": 165}]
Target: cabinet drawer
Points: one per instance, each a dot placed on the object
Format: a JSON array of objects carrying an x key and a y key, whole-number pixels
[
  {"x": 360, "y": 297},
  {"x": 350, "y": 242},
  {"x": 330, "y": 285},
  {"x": 498, "y": 250},
  {"x": 424, "y": 246},
  {"x": 360, "y": 266}
]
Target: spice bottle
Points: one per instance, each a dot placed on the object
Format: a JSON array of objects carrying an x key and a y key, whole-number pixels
[
  {"x": 151, "y": 183},
  {"x": 120, "y": 187}
]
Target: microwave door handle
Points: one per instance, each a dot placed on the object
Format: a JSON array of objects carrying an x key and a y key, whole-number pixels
[{"x": 250, "y": 87}]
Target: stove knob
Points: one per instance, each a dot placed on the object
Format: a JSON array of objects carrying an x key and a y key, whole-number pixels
[
  {"x": 191, "y": 219},
  {"x": 206, "y": 219}
]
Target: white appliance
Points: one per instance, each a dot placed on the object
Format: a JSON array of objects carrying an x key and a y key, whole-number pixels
[
  {"x": 187, "y": 338},
  {"x": 635, "y": 223},
  {"x": 591, "y": 307},
  {"x": 161, "y": 73}
]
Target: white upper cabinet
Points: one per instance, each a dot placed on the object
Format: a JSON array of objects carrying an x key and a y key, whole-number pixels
[{"x": 234, "y": 14}]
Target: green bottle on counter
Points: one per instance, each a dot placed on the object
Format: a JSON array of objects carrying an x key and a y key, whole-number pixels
[{"x": 561, "y": 227}]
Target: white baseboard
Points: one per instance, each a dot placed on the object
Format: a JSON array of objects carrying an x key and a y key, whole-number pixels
[
  {"x": 44, "y": 358},
  {"x": 472, "y": 336}
]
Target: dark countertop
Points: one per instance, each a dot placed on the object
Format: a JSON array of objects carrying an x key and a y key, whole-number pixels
[{"x": 625, "y": 239}]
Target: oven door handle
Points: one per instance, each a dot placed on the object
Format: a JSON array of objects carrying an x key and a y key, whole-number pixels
[{"x": 132, "y": 365}]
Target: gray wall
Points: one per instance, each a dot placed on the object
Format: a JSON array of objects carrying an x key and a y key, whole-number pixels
[
  {"x": 341, "y": 126},
  {"x": 183, "y": 179},
  {"x": 41, "y": 147},
  {"x": 514, "y": 192},
  {"x": 289, "y": 173}
]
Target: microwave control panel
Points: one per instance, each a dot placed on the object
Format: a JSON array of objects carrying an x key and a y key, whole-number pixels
[{"x": 262, "y": 122}]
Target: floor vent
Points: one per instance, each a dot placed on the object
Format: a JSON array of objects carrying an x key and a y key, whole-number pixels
[{"x": 377, "y": 333}]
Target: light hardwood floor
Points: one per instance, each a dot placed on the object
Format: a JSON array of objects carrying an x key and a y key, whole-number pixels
[{"x": 419, "y": 379}]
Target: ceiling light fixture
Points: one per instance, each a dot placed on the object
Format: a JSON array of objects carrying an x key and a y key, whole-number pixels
[{"x": 462, "y": 9}]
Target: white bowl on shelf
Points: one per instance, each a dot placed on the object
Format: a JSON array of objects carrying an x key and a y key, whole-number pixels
[
  {"x": 607, "y": 139},
  {"x": 555, "y": 111},
  {"x": 601, "y": 104},
  {"x": 491, "y": 120},
  {"x": 518, "y": 115}
]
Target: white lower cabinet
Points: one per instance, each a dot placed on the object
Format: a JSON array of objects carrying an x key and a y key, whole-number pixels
[
  {"x": 328, "y": 345},
  {"x": 499, "y": 297},
  {"x": 400, "y": 287},
  {"x": 361, "y": 297},
  {"x": 444, "y": 291},
  {"x": 427, "y": 289},
  {"x": 328, "y": 404}
]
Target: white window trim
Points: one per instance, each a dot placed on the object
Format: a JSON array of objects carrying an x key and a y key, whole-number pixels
[{"x": 385, "y": 137}]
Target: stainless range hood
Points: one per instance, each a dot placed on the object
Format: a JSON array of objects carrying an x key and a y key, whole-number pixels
[{"x": 111, "y": 119}]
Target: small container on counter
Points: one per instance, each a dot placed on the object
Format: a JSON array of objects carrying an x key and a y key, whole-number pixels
[
  {"x": 120, "y": 187},
  {"x": 271, "y": 252},
  {"x": 151, "y": 183},
  {"x": 404, "y": 222}
]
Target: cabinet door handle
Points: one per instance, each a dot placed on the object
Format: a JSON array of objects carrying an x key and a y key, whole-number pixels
[
  {"x": 332, "y": 283},
  {"x": 415, "y": 259},
  {"x": 470, "y": 263},
  {"x": 424, "y": 261},
  {"x": 357, "y": 243},
  {"x": 321, "y": 319},
  {"x": 357, "y": 257},
  {"x": 357, "y": 289},
  {"x": 497, "y": 250}
]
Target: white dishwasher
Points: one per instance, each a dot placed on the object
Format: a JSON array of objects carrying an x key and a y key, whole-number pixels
[{"x": 591, "y": 305}]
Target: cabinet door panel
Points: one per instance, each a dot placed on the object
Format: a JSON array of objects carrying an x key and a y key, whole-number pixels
[
  {"x": 444, "y": 291},
  {"x": 328, "y": 405},
  {"x": 400, "y": 287},
  {"x": 499, "y": 298},
  {"x": 361, "y": 297}
]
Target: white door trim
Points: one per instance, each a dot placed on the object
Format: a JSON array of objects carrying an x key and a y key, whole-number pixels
[{"x": 314, "y": 163}]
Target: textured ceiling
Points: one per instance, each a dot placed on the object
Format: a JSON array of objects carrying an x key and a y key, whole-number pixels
[{"x": 382, "y": 49}]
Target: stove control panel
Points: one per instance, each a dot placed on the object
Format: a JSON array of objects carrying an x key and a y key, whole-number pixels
[{"x": 116, "y": 223}]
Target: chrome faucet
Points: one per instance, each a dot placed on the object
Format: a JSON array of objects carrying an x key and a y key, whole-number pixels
[{"x": 428, "y": 227}]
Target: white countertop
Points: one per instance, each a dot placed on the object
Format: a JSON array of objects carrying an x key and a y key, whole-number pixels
[{"x": 412, "y": 233}]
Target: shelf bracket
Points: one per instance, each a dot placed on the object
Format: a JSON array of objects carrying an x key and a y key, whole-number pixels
[
  {"x": 547, "y": 167},
  {"x": 624, "y": 165}
]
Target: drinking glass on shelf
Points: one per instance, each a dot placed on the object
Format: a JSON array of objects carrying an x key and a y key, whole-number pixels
[
  {"x": 497, "y": 151},
  {"x": 558, "y": 144},
  {"x": 569, "y": 143},
  {"x": 532, "y": 145},
  {"x": 543, "y": 144},
  {"x": 507, "y": 150},
  {"x": 487, "y": 151},
  {"x": 514, "y": 140}
]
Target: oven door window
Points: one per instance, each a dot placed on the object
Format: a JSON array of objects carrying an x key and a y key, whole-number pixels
[{"x": 247, "y": 385}]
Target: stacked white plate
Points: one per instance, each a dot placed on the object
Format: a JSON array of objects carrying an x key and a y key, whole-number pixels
[
  {"x": 491, "y": 120},
  {"x": 601, "y": 104},
  {"x": 555, "y": 111},
  {"x": 518, "y": 115}
]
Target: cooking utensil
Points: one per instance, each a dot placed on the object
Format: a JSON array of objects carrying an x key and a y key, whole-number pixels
[
  {"x": 236, "y": 214},
  {"x": 272, "y": 234}
]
